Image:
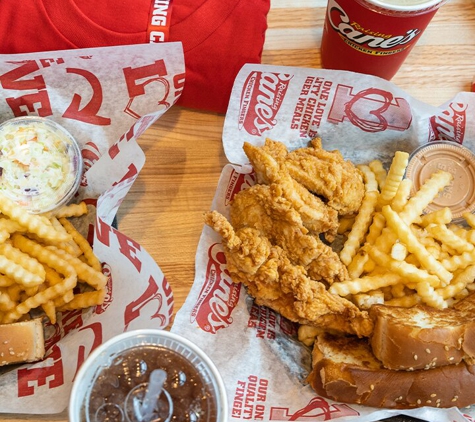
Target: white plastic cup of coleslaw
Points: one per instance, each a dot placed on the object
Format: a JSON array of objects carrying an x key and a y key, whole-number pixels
[{"x": 40, "y": 163}]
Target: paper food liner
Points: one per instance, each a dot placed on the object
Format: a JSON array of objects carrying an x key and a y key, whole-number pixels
[
  {"x": 106, "y": 98},
  {"x": 263, "y": 365}
]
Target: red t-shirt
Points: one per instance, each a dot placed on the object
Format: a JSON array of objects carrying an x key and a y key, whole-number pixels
[{"x": 218, "y": 36}]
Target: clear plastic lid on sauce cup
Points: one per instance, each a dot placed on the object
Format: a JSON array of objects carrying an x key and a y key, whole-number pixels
[
  {"x": 113, "y": 382},
  {"x": 459, "y": 196},
  {"x": 40, "y": 163}
]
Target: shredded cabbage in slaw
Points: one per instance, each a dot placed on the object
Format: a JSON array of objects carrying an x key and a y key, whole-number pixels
[{"x": 36, "y": 164}]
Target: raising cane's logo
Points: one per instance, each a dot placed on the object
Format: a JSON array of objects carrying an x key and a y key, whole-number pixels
[
  {"x": 261, "y": 98},
  {"x": 365, "y": 40},
  {"x": 218, "y": 296},
  {"x": 450, "y": 124}
]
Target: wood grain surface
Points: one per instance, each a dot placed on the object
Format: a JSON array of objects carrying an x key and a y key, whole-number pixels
[{"x": 164, "y": 208}]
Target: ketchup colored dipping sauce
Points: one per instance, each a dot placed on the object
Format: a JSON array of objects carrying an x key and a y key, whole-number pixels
[{"x": 119, "y": 390}]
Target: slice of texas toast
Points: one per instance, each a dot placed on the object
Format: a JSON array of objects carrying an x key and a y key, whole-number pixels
[
  {"x": 422, "y": 337},
  {"x": 345, "y": 370}
]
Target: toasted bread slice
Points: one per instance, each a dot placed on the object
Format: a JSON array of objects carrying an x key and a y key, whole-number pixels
[
  {"x": 21, "y": 342},
  {"x": 422, "y": 337},
  {"x": 345, "y": 370}
]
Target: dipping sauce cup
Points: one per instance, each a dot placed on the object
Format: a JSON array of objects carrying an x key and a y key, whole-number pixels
[
  {"x": 449, "y": 156},
  {"x": 373, "y": 36},
  {"x": 148, "y": 375},
  {"x": 40, "y": 163}
]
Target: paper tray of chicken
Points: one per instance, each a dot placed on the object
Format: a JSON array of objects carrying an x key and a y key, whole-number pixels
[{"x": 282, "y": 300}]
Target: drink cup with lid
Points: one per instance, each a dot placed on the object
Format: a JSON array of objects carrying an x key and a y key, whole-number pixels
[
  {"x": 373, "y": 36},
  {"x": 148, "y": 375}
]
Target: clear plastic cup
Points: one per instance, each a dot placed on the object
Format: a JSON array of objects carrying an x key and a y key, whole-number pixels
[
  {"x": 373, "y": 36},
  {"x": 113, "y": 382},
  {"x": 41, "y": 163}
]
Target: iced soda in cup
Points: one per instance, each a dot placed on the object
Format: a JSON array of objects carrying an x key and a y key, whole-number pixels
[
  {"x": 148, "y": 375},
  {"x": 373, "y": 36}
]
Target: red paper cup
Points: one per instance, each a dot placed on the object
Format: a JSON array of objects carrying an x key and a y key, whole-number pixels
[{"x": 373, "y": 37}]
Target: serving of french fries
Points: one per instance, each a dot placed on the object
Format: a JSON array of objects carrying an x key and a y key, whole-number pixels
[
  {"x": 398, "y": 254},
  {"x": 45, "y": 263}
]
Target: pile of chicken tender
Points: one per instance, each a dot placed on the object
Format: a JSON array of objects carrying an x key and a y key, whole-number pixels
[{"x": 278, "y": 239}]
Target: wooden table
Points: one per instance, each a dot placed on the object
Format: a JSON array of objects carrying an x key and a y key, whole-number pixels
[{"x": 164, "y": 208}]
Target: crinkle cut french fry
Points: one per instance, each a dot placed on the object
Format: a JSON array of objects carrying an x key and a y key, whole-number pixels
[
  {"x": 54, "y": 261},
  {"x": 449, "y": 238},
  {"x": 399, "y": 251},
  {"x": 362, "y": 222},
  {"x": 23, "y": 259},
  {"x": 85, "y": 300},
  {"x": 19, "y": 273},
  {"x": 86, "y": 273},
  {"x": 430, "y": 296},
  {"x": 458, "y": 262},
  {"x": 394, "y": 177},
  {"x": 50, "y": 310},
  {"x": 34, "y": 223},
  {"x": 442, "y": 216},
  {"x": 7, "y": 227},
  {"x": 63, "y": 299},
  {"x": 6, "y": 302},
  {"x": 415, "y": 206},
  {"x": 376, "y": 227},
  {"x": 402, "y": 195},
  {"x": 414, "y": 246},
  {"x": 469, "y": 218},
  {"x": 371, "y": 184},
  {"x": 459, "y": 283},
  {"x": 357, "y": 264},
  {"x": 364, "y": 284},
  {"x": 379, "y": 172},
  {"x": 83, "y": 244},
  {"x": 71, "y": 210},
  {"x": 468, "y": 235},
  {"x": 425, "y": 195},
  {"x": 407, "y": 271},
  {"x": 70, "y": 246},
  {"x": 366, "y": 300}
]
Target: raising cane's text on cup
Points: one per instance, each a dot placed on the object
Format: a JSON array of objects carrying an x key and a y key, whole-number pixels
[{"x": 372, "y": 37}]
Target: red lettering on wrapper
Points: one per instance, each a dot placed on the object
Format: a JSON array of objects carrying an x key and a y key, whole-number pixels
[
  {"x": 88, "y": 113},
  {"x": 51, "y": 375},
  {"x": 37, "y": 101},
  {"x": 151, "y": 293},
  {"x": 218, "y": 296},
  {"x": 129, "y": 248},
  {"x": 316, "y": 409},
  {"x": 261, "y": 98},
  {"x": 96, "y": 329},
  {"x": 137, "y": 80},
  {"x": 249, "y": 398},
  {"x": 372, "y": 110},
  {"x": 450, "y": 124}
]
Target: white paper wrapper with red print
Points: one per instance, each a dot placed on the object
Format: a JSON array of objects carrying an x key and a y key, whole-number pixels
[
  {"x": 106, "y": 98},
  {"x": 263, "y": 365}
]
